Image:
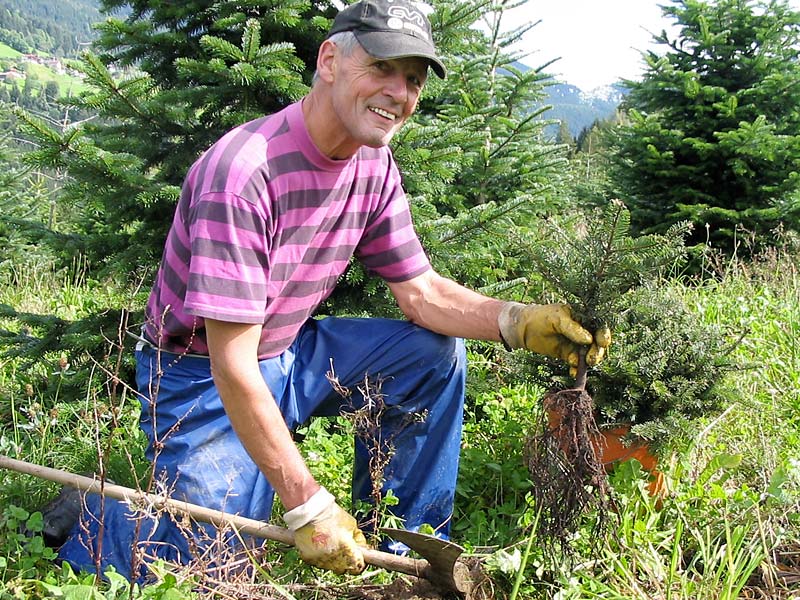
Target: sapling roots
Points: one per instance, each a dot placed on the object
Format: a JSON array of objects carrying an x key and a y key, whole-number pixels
[{"x": 569, "y": 480}]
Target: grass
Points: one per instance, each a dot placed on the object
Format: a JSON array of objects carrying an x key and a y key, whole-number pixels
[
  {"x": 733, "y": 514},
  {"x": 7, "y": 51},
  {"x": 68, "y": 84},
  {"x": 766, "y": 303},
  {"x": 729, "y": 527}
]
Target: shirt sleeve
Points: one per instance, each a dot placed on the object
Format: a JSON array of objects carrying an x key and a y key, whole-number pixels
[
  {"x": 229, "y": 269},
  {"x": 390, "y": 247}
]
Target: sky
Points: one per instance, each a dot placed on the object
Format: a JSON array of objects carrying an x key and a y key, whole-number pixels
[{"x": 598, "y": 41}]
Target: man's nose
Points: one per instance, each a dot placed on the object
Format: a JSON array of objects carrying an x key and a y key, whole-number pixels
[{"x": 396, "y": 87}]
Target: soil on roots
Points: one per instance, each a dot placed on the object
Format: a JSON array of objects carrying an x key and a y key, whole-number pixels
[{"x": 569, "y": 480}]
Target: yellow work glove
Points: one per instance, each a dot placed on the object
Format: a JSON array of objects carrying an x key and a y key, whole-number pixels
[
  {"x": 550, "y": 329},
  {"x": 325, "y": 535}
]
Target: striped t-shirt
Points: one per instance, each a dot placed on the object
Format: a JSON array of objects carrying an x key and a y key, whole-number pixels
[{"x": 264, "y": 227}]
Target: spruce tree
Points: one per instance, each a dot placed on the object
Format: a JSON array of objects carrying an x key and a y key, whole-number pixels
[
  {"x": 505, "y": 174},
  {"x": 166, "y": 80},
  {"x": 589, "y": 162},
  {"x": 714, "y": 133},
  {"x": 192, "y": 71},
  {"x": 664, "y": 371},
  {"x": 25, "y": 197},
  {"x": 564, "y": 135}
]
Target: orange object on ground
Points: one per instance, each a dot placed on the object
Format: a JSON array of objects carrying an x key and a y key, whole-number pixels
[{"x": 611, "y": 450}]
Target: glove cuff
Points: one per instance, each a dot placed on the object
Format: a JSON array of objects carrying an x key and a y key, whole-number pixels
[
  {"x": 309, "y": 510},
  {"x": 507, "y": 322}
]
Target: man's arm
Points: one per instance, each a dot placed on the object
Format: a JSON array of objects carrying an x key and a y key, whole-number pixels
[
  {"x": 446, "y": 307},
  {"x": 325, "y": 535},
  {"x": 256, "y": 418}
]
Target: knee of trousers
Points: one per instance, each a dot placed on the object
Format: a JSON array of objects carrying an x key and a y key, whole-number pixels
[
  {"x": 434, "y": 374},
  {"x": 445, "y": 352}
]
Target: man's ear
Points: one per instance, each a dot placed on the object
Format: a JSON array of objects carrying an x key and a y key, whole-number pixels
[{"x": 326, "y": 59}]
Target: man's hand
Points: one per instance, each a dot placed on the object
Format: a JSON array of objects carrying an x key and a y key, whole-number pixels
[
  {"x": 325, "y": 535},
  {"x": 550, "y": 329}
]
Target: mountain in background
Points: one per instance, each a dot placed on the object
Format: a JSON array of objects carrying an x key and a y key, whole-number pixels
[{"x": 578, "y": 108}]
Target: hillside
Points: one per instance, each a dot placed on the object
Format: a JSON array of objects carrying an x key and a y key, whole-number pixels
[
  {"x": 7, "y": 51},
  {"x": 58, "y": 27}
]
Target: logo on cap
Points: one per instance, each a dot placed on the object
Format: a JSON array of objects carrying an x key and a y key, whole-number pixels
[{"x": 405, "y": 17}]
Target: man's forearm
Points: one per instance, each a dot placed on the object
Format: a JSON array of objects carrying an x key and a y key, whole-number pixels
[
  {"x": 444, "y": 306},
  {"x": 253, "y": 412},
  {"x": 260, "y": 426}
]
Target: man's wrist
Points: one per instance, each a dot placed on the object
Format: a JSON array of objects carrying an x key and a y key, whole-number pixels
[
  {"x": 507, "y": 323},
  {"x": 309, "y": 510}
]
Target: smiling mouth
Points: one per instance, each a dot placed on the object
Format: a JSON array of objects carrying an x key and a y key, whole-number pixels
[{"x": 383, "y": 113}]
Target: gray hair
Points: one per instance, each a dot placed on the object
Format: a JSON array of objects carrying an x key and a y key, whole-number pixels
[{"x": 346, "y": 42}]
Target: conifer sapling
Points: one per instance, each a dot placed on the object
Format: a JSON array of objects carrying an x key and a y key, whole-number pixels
[{"x": 593, "y": 266}]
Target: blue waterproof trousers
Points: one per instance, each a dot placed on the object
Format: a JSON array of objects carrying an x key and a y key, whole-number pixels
[{"x": 199, "y": 458}]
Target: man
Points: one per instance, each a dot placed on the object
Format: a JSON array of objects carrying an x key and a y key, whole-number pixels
[{"x": 231, "y": 361}]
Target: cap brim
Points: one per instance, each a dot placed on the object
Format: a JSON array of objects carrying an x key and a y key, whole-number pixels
[{"x": 389, "y": 44}]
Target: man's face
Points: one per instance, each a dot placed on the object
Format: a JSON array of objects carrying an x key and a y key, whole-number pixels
[{"x": 373, "y": 97}]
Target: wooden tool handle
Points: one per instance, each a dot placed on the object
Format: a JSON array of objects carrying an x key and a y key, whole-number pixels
[{"x": 259, "y": 529}]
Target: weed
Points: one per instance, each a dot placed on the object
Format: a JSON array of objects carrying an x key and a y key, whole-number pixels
[
  {"x": 368, "y": 424},
  {"x": 23, "y": 552},
  {"x": 494, "y": 484}
]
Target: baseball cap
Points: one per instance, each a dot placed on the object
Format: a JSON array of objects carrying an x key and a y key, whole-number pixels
[{"x": 390, "y": 29}]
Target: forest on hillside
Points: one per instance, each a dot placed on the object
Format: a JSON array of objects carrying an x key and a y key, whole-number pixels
[{"x": 61, "y": 27}]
